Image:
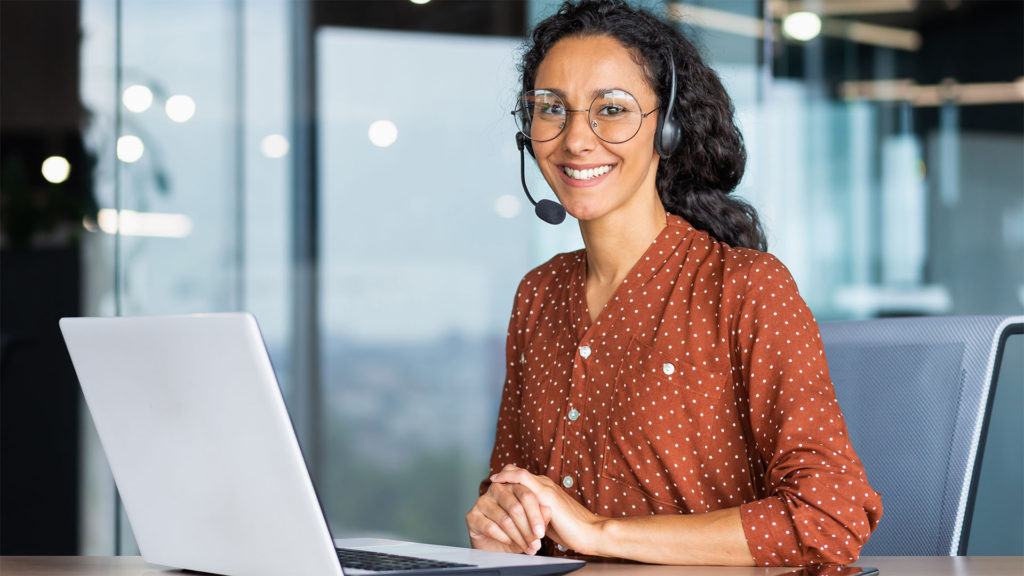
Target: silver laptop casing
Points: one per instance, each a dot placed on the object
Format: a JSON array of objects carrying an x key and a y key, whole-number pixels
[{"x": 203, "y": 452}]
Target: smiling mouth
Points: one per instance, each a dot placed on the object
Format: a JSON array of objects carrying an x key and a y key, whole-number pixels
[{"x": 589, "y": 173}]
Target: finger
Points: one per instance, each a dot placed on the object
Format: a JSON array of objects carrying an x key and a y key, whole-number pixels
[
  {"x": 484, "y": 542},
  {"x": 528, "y": 519},
  {"x": 522, "y": 507},
  {"x": 484, "y": 534},
  {"x": 526, "y": 483},
  {"x": 481, "y": 527},
  {"x": 520, "y": 476},
  {"x": 546, "y": 513},
  {"x": 532, "y": 507},
  {"x": 490, "y": 536},
  {"x": 511, "y": 475},
  {"x": 494, "y": 511},
  {"x": 494, "y": 532}
]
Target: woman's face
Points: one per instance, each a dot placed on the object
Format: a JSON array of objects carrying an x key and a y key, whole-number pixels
[{"x": 577, "y": 69}]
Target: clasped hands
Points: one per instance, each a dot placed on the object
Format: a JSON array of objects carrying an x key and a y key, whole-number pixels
[{"x": 520, "y": 508}]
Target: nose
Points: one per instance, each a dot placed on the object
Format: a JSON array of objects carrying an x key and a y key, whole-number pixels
[{"x": 578, "y": 137}]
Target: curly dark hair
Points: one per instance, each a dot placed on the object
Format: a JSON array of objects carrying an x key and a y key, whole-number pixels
[{"x": 696, "y": 180}]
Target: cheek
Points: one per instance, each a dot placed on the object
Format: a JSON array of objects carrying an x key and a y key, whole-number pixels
[
  {"x": 641, "y": 151},
  {"x": 645, "y": 139},
  {"x": 542, "y": 149}
]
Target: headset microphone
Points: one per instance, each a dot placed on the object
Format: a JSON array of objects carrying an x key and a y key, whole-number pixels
[{"x": 547, "y": 210}]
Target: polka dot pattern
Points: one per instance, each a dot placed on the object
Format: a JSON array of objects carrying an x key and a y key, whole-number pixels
[{"x": 701, "y": 385}]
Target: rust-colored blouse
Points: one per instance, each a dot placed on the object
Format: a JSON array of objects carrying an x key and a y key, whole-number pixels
[{"x": 702, "y": 385}]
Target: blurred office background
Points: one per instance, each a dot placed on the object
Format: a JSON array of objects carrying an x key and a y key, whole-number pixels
[{"x": 347, "y": 172}]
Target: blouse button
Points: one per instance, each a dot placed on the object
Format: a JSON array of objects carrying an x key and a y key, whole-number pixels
[
  {"x": 574, "y": 414},
  {"x": 585, "y": 351},
  {"x": 668, "y": 368},
  {"x": 567, "y": 482}
]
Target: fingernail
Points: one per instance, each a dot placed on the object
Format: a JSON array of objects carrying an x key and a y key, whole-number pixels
[
  {"x": 494, "y": 477},
  {"x": 538, "y": 531}
]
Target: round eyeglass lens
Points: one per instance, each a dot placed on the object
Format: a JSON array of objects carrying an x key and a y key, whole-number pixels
[
  {"x": 615, "y": 116},
  {"x": 541, "y": 115}
]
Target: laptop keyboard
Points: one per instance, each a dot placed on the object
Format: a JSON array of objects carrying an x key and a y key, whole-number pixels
[{"x": 381, "y": 562}]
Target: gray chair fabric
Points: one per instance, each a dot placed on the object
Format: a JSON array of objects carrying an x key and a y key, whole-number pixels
[{"x": 916, "y": 394}]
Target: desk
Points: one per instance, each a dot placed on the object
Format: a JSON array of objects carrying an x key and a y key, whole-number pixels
[{"x": 902, "y": 565}]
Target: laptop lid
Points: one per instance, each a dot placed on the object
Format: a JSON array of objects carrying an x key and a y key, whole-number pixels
[
  {"x": 202, "y": 449},
  {"x": 200, "y": 444}
]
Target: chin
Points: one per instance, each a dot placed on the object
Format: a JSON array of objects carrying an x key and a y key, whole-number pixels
[{"x": 583, "y": 211}]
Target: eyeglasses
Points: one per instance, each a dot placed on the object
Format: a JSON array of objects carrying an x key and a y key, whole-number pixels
[{"x": 614, "y": 116}]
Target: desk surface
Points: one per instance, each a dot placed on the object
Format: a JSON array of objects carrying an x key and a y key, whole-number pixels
[{"x": 903, "y": 565}]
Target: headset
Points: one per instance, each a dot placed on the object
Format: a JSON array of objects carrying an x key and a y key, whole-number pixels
[{"x": 669, "y": 133}]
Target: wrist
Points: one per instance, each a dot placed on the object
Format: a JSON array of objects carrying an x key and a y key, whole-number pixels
[{"x": 599, "y": 535}]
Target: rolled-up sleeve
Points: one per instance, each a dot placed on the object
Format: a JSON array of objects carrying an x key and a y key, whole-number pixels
[{"x": 819, "y": 507}]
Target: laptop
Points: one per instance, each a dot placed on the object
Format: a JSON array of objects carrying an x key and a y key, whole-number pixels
[{"x": 205, "y": 457}]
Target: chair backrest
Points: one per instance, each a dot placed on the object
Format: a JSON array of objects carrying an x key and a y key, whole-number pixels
[{"x": 916, "y": 394}]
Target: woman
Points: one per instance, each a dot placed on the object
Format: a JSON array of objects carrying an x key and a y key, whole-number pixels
[{"x": 667, "y": 398}]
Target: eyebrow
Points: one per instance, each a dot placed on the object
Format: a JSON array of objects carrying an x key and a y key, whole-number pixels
[{"x": 593, "y": 93}]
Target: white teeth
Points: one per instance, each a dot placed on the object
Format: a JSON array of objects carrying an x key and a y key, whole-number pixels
[{"x": 587, "y": 174}]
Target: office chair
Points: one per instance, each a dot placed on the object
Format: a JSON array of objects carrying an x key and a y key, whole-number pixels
[{"x": 916, "y": 394}]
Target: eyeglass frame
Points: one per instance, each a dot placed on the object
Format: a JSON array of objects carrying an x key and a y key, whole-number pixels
[{"x": 590, "y": 122}]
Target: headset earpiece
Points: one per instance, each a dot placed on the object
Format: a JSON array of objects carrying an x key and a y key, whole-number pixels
[{"x": 669, "y": 133}]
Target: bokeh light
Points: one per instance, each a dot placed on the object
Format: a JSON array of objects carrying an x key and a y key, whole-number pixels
[
  {"x": 180, "y": 108},
  {"x": 274, "y": 146},
  {"x": 56, "y": 169},
  {"x": 383, "y": 133},
  {"x": 137, "y": 98},
  {"x": 802, "y": 26},
  {"x": 130, "y": 148}
]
